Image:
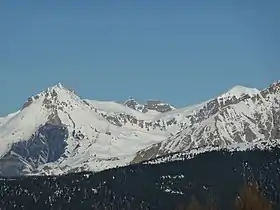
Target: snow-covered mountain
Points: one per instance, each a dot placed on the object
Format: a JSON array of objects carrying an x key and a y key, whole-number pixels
[
  {"x": 238, "y": 116},
  {"x": 58, "y": 132},
  {"x": 58, "y": 129}
]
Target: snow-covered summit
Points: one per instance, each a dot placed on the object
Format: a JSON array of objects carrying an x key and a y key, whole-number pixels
[
  {"x": 57, "y": 87},
  {"x": 239, "y": 91},
  {"x": 55, "y": 92}
]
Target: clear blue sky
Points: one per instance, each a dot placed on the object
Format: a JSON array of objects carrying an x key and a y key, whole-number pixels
[{"x": 179, "y": 51}]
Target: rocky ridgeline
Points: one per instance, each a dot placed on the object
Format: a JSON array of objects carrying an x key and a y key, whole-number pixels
[{"x": 244, "y": 119}]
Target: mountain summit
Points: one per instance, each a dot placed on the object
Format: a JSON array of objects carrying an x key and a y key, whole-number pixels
[
  {"x": 239, "y": 91},
  {"x": 57, "y": 132}
]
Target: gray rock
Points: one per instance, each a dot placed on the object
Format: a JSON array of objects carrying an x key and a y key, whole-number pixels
[{"x": 46, "y": 145}]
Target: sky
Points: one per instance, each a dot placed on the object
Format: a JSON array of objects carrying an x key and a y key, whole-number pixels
[{"x": 180, "y": 51}]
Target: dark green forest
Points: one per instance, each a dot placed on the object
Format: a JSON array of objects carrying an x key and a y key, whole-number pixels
[{"x": 162, "y": 186}]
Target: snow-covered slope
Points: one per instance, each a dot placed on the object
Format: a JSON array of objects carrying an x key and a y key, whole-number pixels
[
  {"x": 189, "y": 154},
  {"x": 221, "y": 123},
  {"x": 58, "y": 132}
]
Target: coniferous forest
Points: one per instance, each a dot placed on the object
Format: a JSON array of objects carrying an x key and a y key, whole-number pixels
[{"x": 164, "y": 186}]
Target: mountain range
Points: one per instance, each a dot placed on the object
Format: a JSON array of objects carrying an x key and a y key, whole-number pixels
[{"x": 57, "y": 132}]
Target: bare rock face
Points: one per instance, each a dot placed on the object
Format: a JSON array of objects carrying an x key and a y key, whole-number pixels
[
  {"x": 46, "y": 145},
  {"x": 159, "y": 106},
  {"x": 156, "y": 105},
  {"x": 131, "y": 103}
]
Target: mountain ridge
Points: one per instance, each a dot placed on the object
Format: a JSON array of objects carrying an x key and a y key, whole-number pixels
[
  {"x": 95, "y": 135},
  {"x": 224, "y": 110}
]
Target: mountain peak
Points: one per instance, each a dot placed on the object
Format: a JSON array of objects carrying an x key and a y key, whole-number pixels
[
  {"x": 57, "y": 92},
  {"x": 58, "y": 86},
  {"x": 239, "y": 91},
  {"x": 241, "y": 88},
  {"x": 275, "y": 84}
]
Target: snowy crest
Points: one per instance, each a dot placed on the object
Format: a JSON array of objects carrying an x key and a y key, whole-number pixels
[
  {"x": 239, "y": 91},
  {"x": 53, "y": 97}
]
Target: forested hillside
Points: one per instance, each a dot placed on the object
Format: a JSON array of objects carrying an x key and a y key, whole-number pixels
[{"x": 143, "y": 186}]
